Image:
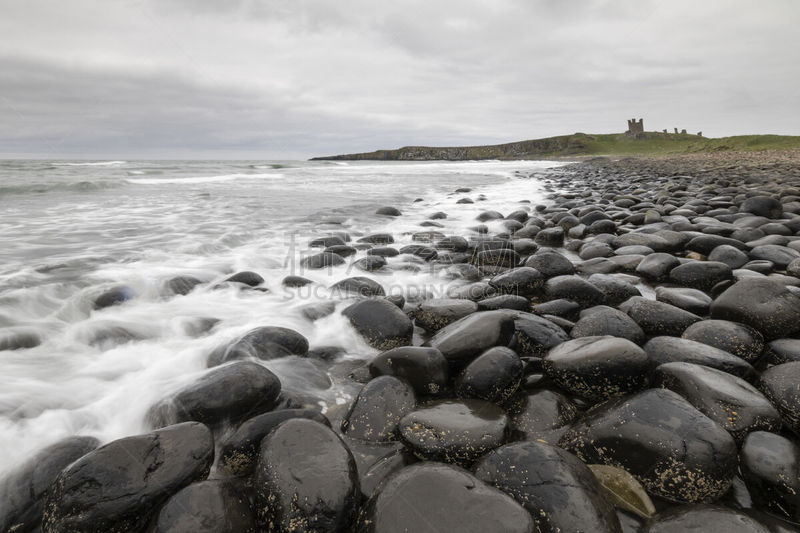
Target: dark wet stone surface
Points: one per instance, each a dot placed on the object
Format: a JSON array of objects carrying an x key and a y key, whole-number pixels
[
  {"x": 737, "y": 339},
  {"x": 305, "y": 480},
  {"x": 574, "y": 288},
  {"x": 419, "y": 497},
  {"x": 119, "y": 486},
  {"x": 770, "y": 466},
  {"x": 535, "y": 335},
  {"x": 761, "y": 303},
  {"x": 550, "y": 264},
  {"x": 673, "y": 450},
  {"x": 357, "y": 286},
  {"x": 454, "y": 431},
  {"x": 207, "y": 507},
  {"x": 780, "y": 385},
  {"x": 705, "y": 518},
  {"x": 493, "y": 376},
  {"x": 662, "y": 350},
  {"x": 434, "y": 314},
  {"x": 691, "y": 300},
  {"x": 540, "y": 415},
  {"x": 378, "y": 408},
  {"x": 602, "y": 320},
  {"x": 380, "y": 323},
  {"x": 465, "y": 339},
  {"x": 267, "y": 342},
  {"x": 784, "y": 351},
  {"x": 729, "y": 401},
  {"x": 557, "y": 489},
  {"x": 425, "y": 369},
  {"x": 597, "y": 368},
  {"x": 658, "y": 318}
]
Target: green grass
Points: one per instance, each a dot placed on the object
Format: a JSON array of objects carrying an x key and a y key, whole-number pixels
[{"x": 581, "y": 144}]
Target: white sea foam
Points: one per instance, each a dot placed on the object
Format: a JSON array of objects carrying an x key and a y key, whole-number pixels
[
  {"x": 203, "y": 179},
  {"x": 92, "y": 164}
]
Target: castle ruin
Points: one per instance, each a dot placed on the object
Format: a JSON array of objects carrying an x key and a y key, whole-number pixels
[{"x": 635, "y": 127}]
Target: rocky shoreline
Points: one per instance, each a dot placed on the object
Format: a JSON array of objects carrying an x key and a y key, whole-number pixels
[{"x": 624, "y": 357}]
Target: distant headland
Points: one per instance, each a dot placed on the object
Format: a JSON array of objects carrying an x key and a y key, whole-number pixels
[{"x": 635, "y": 141}]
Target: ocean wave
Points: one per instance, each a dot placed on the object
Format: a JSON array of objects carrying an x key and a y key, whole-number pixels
[
  {"x": 201, "y": 179},
  {"x": 92, "y": 164},
  {"x": 40, "y": 188}
]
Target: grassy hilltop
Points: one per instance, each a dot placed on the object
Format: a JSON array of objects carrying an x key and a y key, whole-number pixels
[{"x": 581, "y": 144}]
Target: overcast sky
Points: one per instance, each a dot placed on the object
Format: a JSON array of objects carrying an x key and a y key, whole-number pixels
[{"x": 271, "y": 79}]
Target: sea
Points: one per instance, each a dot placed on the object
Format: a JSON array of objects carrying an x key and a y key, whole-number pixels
[{"x": 70, "y": 230}]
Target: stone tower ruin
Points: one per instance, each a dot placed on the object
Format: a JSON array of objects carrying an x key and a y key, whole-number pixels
[{"x": 635, "y": 127}]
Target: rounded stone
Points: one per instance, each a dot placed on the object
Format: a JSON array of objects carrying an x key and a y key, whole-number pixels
[
  {"x": 246, "y": 277},
  {"x": 615, "y": 289},
  {"x": 550, "y": 264},
  {"x": 268, "y": 342},
  {"x": 737, "y": 339},
  {"x": 768, "y": 306},
  {"x": 602, "y": 320},
  {"x": 454, "y": 431},
  {"x": 657, "y": 266},
  {"x": 207, "y": 507},
  {"x": 466, "y": 338},
  {"x": 540, "y": 415},
  {"x": 763, "y": 206},
  {"x": 322, "y": 260},
  {"x": 380, "y": 323},
  {"x": 705, "y": 518},
  {"x": 574, "y": 288},
  {"x": 370, "y": 263},
  {"x": 658, "y": 318},
  {"x": 388, "y": 211},
  {"x": 597, "y": 368},
  {"x": 730, "y": 255},
  {"x": 377, "y": 409},
  {"x": 522, "y": 281},
  {"x": 358, "y": 286},
  {"x": 435, "y": 314},
  {"x": 535, "y": 335},
  {"x": 780, "y": 385},
  {"x": 425, "y": 369},
  {"x": 695, "y": 301},
  {"x": 305, "y": 479},
  {"x": 680, "y": 454},
  {"x": 770, "y": 466},
  {"x": 434, "y": 498},
  {"x": 493, "y": 376},
  {"x": 665, "y": 349}
]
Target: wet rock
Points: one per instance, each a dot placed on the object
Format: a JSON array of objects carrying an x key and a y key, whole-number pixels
[
  {"x": 700, "y": 275},
  {"x": 322, "y": 260},
  {"x": 327, "y": 241},
  {"x": 763, "y": 206},
  {"x": 370, "y": 263},
  {"x": 378, "y": 238},
  {"x": 602, "y": 320},
  {"x": 237, "y": 390},
  {"x": 472, "y": 291},
  {"x": 737, "y": 339},
  {"x": 119, "y": 486},
  {"x": 780, "y": 256},
  {"x": 246, "y": 277},
  {"x": 420, "y": 498},
  {"x": 465, "y": 339},
  {"x": 780, "y": 385},
  {"x": 376, "y": 461},
  {"x": 522, "y": 281},
  {"x": 575, "y": 289},
  {"x": 239, "y": 451},
  {"x": 269, "y": 342},
  {"x": 22, "y": 490},
  {"x": 596, "y": 368},
  {"x": 770, "y": 466},
  {"x": 729, "y": 401},
  {"x": 562, "y": 308},
  {"x": 17, "y": 339},
  {"x": 504, "y": 301},
  {"x": 705, "y": 518},
  {"x": 435, "y": 314},
  {"x": 305, "y": 480},
  {"x": 552, "y": 237},
  {"x": 453, "y": 244},
  {"x": 692, "y": 300},
  {"x": 215, "y": 506},
  {"x": 616, "y": 290},
  {"x": 672, "y": 449},
  {"x": 499, "y": 257},
  {"x": 705, "y": 244},
  {"x": 493, "y": 376},
  {"x": 657, "y": 266},
  {"x": 534, "y": 335},
  {"x": 425, "y": 369},
  {"x": 658, "y": 318},
  {"x": 454, "y": 431},
  {"x": 383, "y": 251},
  {"x": 423, "y": 252},
  {"x": 784, "y": 351},
  {"x": 550, "y": 264},
  {"x": 730, "y": 255},
  {"x": 380, "y": 323},
  {"x": 358, "y": 286},
  {"x": 388, "y": 211},
  {"x": 541, "y": 415},
  {"x": 295, "y": 281},
  {"x": 113, "y": 296},
  {"x": 766, "y": 305},
  {"x": 183, "y": 285},
  {"x": 554, "y": 486},
  {"x": 318, "y": 310},
  {"x": 378, "y": 408},
  {"x": 662, "y": 350}
]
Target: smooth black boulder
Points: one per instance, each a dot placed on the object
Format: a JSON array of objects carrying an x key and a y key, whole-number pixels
[
  {"x": 705, "y": 244},
  {"x": 602, "y": 320},
  {"x": 246, "y": 277},
  {"x": 728, "y": 400},
  {"x": 701, "y": 275},
  {"x": 322, "y": 260},
  {"x": 770, "y": 466},
  {"x": 454, "y": 431},
  {"x": 436, "y": 498},
  {"x": 575, "y": 289},
  {"x": 763, "y": 206},
  {"x": 268, "y": 342},
  {"x": 378, "y": 238},
  {"x": 425, "y": 369},
  {"x": 211, "y": 506},
  {"x": 658, "y": 318},
  {"x": 784, "y": 351},
  {"x": 113, "y": 296},
  {"x": 383, "y": 251},
  {"x": 380, "y": 323},
  {"x": 615, "y": 289},
  {"x": 238, "y": 390},
  {"x": 550, "y": 264},
  {"x": 597, "y": 368},
  {"x": 239, "y": 451},
  {"x": 522, "y": 281},
  {"x": 732, "y": 337},
  {"x": 295, "y": 281},
  {"x": 119, "y": 486},
  {"x": 657, "y": 266},
  {"x": 182, "y": 285},
  {"x": 535, "y": 335},
  {"x": 666, "y": 349},
  {"x": 358, "y": 286},
  {"x": 762, "y": 303},
  {"x": 465, "y": 339},
  {"x": 705, "y": 519},
  {"x": 327, "y": 241},
  {"x": 305, "y": 480},
  {"x": 542, "y": 415},
  {"x": 379, "y": 406},
  {"x": 780, "y": 385},
  {"x": 493, "y": 376},
  {"x": 434, "y": 314},
  {"x": 552, "y": 237},
  {"x": 556, "y": 488},
  {"x": 505, "y": 301},
  {"x": 692, "y": 300},
  {"x": 673, "y": 450},
  {"x": 498, "y": 257},
  {"x": 730, "y": 255},
  {"x": 370, "y": 263},
  {"x": 23, "y": 489}
]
